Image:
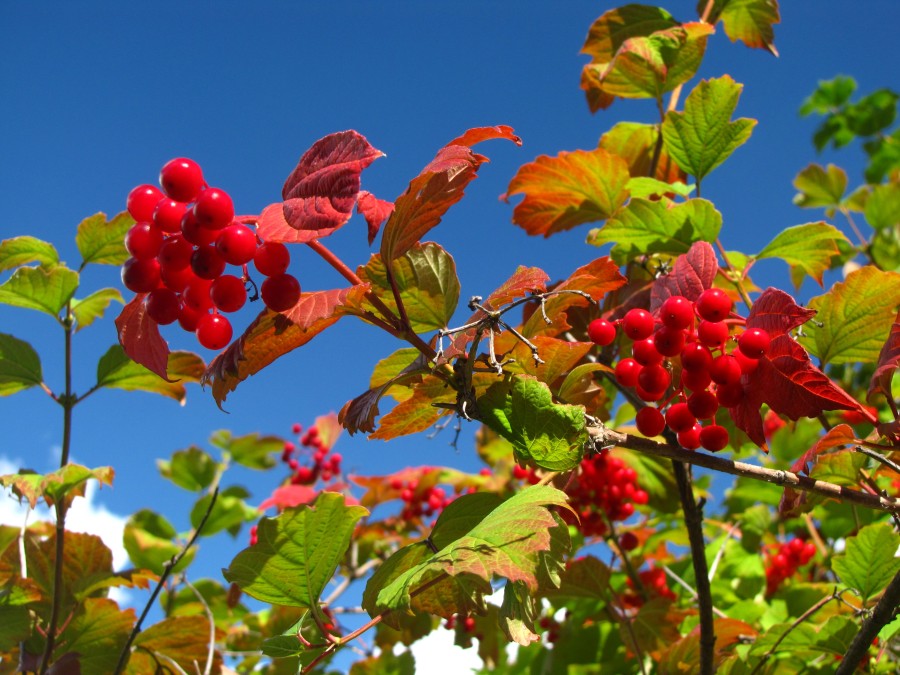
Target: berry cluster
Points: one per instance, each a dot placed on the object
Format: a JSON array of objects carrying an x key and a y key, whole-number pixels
[
  {"x": 605, "y": 489},
  {"x": 654, "y": 582},
  {"x": 784, "y": 563},
  {"x": 420, "y": 501},
  {"x": 183, "y": 239},
  {"x": 712, "y": 363},
  {"x": 325, "y": 466}
]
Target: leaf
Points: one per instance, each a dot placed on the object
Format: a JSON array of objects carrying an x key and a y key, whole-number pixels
[
  {"x": 868, "y": 562},
  {"x": 149, "y": 540},
  {"x": 374, "y": 210},
  {"x": 820, "y": 187},
  {"x": 655, "y": 477},
  {"x": 692, "y": 274},
  {"x": 808, "y": 247},
  {"x": 46, "y": 289},
  {"x": 191, "y": 469},
  {"x": 88, "y": 309},
  {"x": 636, "y": 144},
  {"x": 558, "y": 356},
  {"x": 140, "y": 338},
  {"x": 777, "y": 313},
  {"x": 854, "y": 318},
  {"x": 322, "y": 190},
  {"x": 840, "y": 435},
  {"x": 97, "y": 633},
  {"x": 289, "y": 496},
  {"x": 608, "y": 33},
  {"x": 117, "y": 371},
  {"x": 411, "y": 416},
  {"x": 229, "y": 512},
  {"x": 184, "y": 639},
  {"x": 568, "y": 190},
  {"x": 518, "y": 614},
  {"x": 20, "y": 365},
  {"x": 584, "y": 577},
  {"x": 882, "y": 209},
  {"x": 102, "y": 241},
  {"x": 749, "y": 21},
  {"x": 829, "y": 95},
  {"x": 69, "y": 481},
  {"x": 888, "y": 362},
  {"x": 646, "y": 227},
  {"x": 479, "y": 134},
  {"x": 703, "y": 136},
  {"x": 644, "y": 187},
  {"x": 296, "y": 552},
  {"x": 23, "y": 250},
  {"x": 522, "y": 410}
]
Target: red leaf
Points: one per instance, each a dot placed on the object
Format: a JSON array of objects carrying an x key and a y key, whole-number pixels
[
  {"x": 479, "y": 134},
  {"x": 140, "y": 338},
  {"x": 271, "y": 226},
  {"x": 888, "y": 362},
  {"x": 693, "y": 273},
  {"x": 842, "y": 434},
  {"x": 321, "y": 192},
  {"x": 374, "y": 210},
  {"x": 288, "y": 496},
  {"x": 776, "y": 313}
]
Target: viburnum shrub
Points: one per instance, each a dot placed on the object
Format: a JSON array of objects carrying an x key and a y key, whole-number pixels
[{"x": 612, "y": 536}]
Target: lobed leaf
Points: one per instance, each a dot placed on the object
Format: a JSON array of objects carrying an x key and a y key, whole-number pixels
[
  {"x": 140, "y": 338},
  {"x": 777, "y": 313},
  {"x": 888, "y": 362},
  {"x": 820, "y": 187},
  {"x": 20, "y": 365},
  {"x": 637, "y": 144},
  {"x": 96, "y": 634},
  {"x": 609, "y": 32},
  {"x": 809, "y": 248},
  {"x": 117, "y": 370},
  {"x": 251, "y": 450},
  {"x": 88, "y": 309},
  {"x": 101, "y": 241},
  {"x": 23, "y": 250},
  {"x": 184, "y": 639},
  {"x": 749, "y": 21},
  {"x": 191, "y": 469},
  {"x": 692, "y": 274},
  {"x": 46, "y": 289},
  {"x": 869, "y": 561}
]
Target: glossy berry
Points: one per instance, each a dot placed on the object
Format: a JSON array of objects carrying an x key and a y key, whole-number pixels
[
  {"x": 196, "y": 233},
  {"x": 650, "y": 421},
  {"x": 228, "y": 293},
  {"x": 714, "y": 437},
  {"x": 654, "y": 379},
  {"x": 601, "y": 332},
  {"x": 196, "y": 294},
  {"x": 213, "y": 331},
  {"x": 175, "y": 253},
  {"x": 645, "y": 352},
  {"x": 754, "y": 343},
  {"x": 669, "y": 341},
  {"x": 168, "y": 214},
  {"x": 627, "y": 371},
  {"x": 142, "y": 201},
  {"x": 214, "y": 209},
  {"x": 747, "y": 364},
  {"x": 162, "y": 305},
  {"x": 207, "y": 263},
  {"x": 696, "y": 356},
  {"x": 703, "y": 404},
  {"x": 280, "y": 292},
  {"x": 712, "y": 333},
  {"x": 181, "y": 179},
  {"x": 690, "y": 439},
  {"x": 638, "y": 324},
  {"x": 677, "y": 312},
  {"x": 272, "y": 258},
  {"x": 176, "y": 279},
  {"x": 143, "y": 240},
  {"x": 188, "y": 316},
  {"x": 140, "y": 276},
  {"x": 725, "y": 369},
  {"x": 695, "y": 380},
  {"x": 714, "y": 305},
  {"x": 237, "y": 244},
  {"x": 679, "y": 417}
]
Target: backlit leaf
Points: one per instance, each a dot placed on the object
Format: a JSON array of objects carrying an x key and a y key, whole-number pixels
[
  {"x": 519, "y": 613},
  {"x": 829, "y": 95},
  {"x": 229, "y": 512},
  {"x": 570, "y": 189},
  {"x": 692, "y": 274},
  {"x": 97, "y": 633},
  {"x": 854, "y": 318},
  {"x": 809, "y": 247},
  {"x": 869, "y": 562},
  {"x": 820, "y": 187},
  {"x": 150, "y": 542},
  {"x": 636, "y": 144},
  {"x": 191, "y": 469},
  {"x": 888, "y": 362},
  {"x": 777, "y": 313},
  {"x": 703, "y": 136},
  {"x": 614, "y": 27},
  {"x": 46, "y": 289},
  {"x": 69, "y": 481},
  {"x": 88, "y": 309},
  {"x": 584, "y": 577},
  {"x": 20, "y": 365},
  {"x": 23, "y": 250},
  {"x": 479, "y": 134},
  {"x": 842, "y": 434},
  {"x": 140, "y": 338},
  {"x": 117, "y": 371},
  {"x": 656, "y": 478},
  {"x": 289, "y": 496},
  {"x": 374, "y": 210},
  {"x": 102, "y": 241},
  {"x": 522, "y": 410},
  {"x": 296, "y": 552},
  {"x": 558, "y": 356},
  {"x": 411, "y": 416},
  {"x": 644, "y": 187},
  {"x": 251, "y": 450},
  {"x": 321, "y": 191},
  {"x": 882, "y": 209},
  {"x": 749, "y": 21},
  {"x": 184, "y": 639}
]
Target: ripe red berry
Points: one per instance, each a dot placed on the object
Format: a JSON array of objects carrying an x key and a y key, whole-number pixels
[
  {"x": 168, "y": 214},
  {"x": 175, "y": 279},
  {"x": 703, "y": 404},
  {"x": 668, "y": 341},
  {"x": 747, "y": 364},
  {"x": 677, "y": 312},
  {"x": 729, "y": 395},
  {"x": 754, "y": 343},
  {"x": 714, "y": 304},
  {"x": 142, "y": 201},
  {"x": 175, "y": 252},
  {"x": 690, "y": 439},
  {"x": 237, "y": 244},
  {"x": 695, "y": 356},
  {"x": 725, "y": 369},
  {"x": 214, "y": 209},
  {"x": 714, "y": 437},
  {"x": 650, "y": 421},
  {"x": 627, "y": 371},
  {"x": 601, "y": 332},
  {"x": 182, "y": 179},
  {"x": 213, "y": 331},
  {"x": 628, "y": 541},
  {"x": 654, "y": 379},
  {"x": 195, "y": 233},
  {"x": 196, "y": 294},
  {"x": 143, "y": 240},
  {"x": 140, "y": 276},
  {"x": 207, "y": 263},
  {"x": 645, "y": 352},
  {"x": 272, "y": 258},
  {"x": 679, "y": 417},
  {"x": 712, "y": 333},
  {"x": 695, "y": 380},
  {"x": 638, "y": 324},
  {"x": 280, "y": 292},
  {"x": 162, "y": 305},
  {"x": 188, "y": 316},
  {"x": 228, "y": 293}
]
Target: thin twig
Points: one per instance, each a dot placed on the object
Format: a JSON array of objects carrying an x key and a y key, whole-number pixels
[
  {"x": 882, "y": 615},
  {"x": 690, "y": 589},
  {"x": 212, "y": 625}
]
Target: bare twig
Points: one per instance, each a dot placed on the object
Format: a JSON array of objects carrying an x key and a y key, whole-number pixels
[
  {"x": 212, "y": 626},
  {"x": 686, "y": 586},
  {"x": 885, "y": 612}
]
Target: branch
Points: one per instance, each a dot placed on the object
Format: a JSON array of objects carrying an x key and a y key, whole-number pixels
[{"x": 882, "y": 615}]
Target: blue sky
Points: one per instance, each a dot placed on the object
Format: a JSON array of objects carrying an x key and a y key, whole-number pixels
[{"x": 98, "y": 95}]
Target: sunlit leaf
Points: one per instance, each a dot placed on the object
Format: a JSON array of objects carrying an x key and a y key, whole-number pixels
[
  {"x": 692, "y": 274},
  {"x": 46, "y": 289},
  {"x": 609, "y": 32},
  {"x": 253, "y": 450},
  {"x": 150, "y": 542},
  {"x": 888, "y": 362},
  {"x": 23, "y": 250},
  {"x": 69, "y": 481},
  {"x": 374, "y": 210},
  {"x": 749, "y": 21},
  {"x": 191, "y": 469},
  {"x": 96, "y": 633},
  {"x": 20, "y": 365},
  {"x": 480, "y": 134},
  {"x": 637, "y": 144},
  {"x": 117, "y": 371},
  {"x": 869, "y": 560},
  {"x": 140, "y": 337},
  {"x": 88, "y": 309},
  {"x": 102, "y": 241},
  {"x": 809, "y": 247},
  {"x": 229, "y": 512},
  {"x": 184, "y": 639},
  {"x": 820, "y": 187}
]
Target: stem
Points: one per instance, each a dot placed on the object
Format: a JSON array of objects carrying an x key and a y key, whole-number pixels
[
  {"x": 883, "y": 614},
  {"x": 738, "y": 283},
  {"x": 800, "y": 619}
]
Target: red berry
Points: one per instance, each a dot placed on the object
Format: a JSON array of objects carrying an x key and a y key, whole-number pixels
[
  {"x": 168, "y": 214},
  {"x": 601, "y": 332},
  {"x": 142, "y": 201},
  {"x": 703, "y": 404},
  {"x": 712, "y": 333},
  {"x": 654, "y": 379},
  {"x": 638, "y": 324},
  {"x": 143, "y": 240},
  {"x": 714, "y": 304},
  {"x": 730, "y": 395},
  {"x": 695, "y": 356},
  {"x": 195, "y": 233},
  {"x": 754, "y": 343},
  {"x": 677, "y": 312},
  {"x": 140, "y": 276},
  {"x": 627, "y": 372},
  {"x": 650, "y": 421},
  {"x": 207, "y": 263},
  {"x": 228, "y": 293},
  {"x": 695, "y": 380},
  {"x": 188, "y": 316},
  {"x": 280, "y": 292},
  {"x": 645, "y": 352},
  {"x": 272, "y": 258},
  {"x": 690, "y": 439},
  {"x": 237, "y": 244},
  {"x": 213, "y": 331},
  {"x": 175, "y": 252},
  {"x": 162, "y": 305},
  {"x": 679, "y": 417},
  {"x": 196, "y": 294},
  {"x": 214, "y": 209},
  {"x": 647, "y": 395},
  {"x": 628, "y": 541},
  {"x": 176, "y": 279},
  {"x": 714, "y": 437},
  {"x": 747, "y": 364},
  {"x": 669, "y": 341},
  {"x": 725, "y": 370},
  {"x": 182, "y": 179}
]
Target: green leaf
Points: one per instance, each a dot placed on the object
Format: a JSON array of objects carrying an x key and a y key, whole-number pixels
[
  {"x": 96, "y": 633},
  {"x": 46, "y": 289},
  {"x": 228, "y": 513},
  {"x": 585, "y": 577},
  {"x": 101, "y": 241},
  {"x": 883, "y": 207},
  {"x": 386, "y": 663},
  {"x": 808, "y": 248},
  {"x": 117, "y": 371},
  {"x": 854, "y": 318},
  {"x": 655, "y": 477},
  {"x": 20, "y": 365},
  {"x": 749, "y": 21},
  {"x": 636, "y": 144},
  {"x": 461, "y": 516},
  {"x": 282, "y": 646},
  {"x": 868, "y": 563},
  {"x": 88, "y": 309},
  {"x": 191, "y": 469},
  {"x": 644, "y": 187},
  {"x": 69, "y": 481},
  {"x": 522, "y": 410},
  {"x": 149, "y": 540},
  {"x": 645, "y": 227},
  {"x": 15, "y": 626},
  {"x": 252, "y": 450},
  {"x": 296, "y": 552},
  {"x": 820, "y": 187},
  {"x": 703, "y": 136},
  {"x": 23, "y": 250},
  {"x": 519, "y": 613},
  {"x": 615, "y": 26},
  {"x": 829, "y": 95}
]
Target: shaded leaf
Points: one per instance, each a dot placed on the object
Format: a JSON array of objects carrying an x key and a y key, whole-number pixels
[
  {"x": 809, "y": 247},
  {"x": 584, "y": 577},
  {"x": 140, "y": 338},
  {"x": 882, "y": 209},
  {"x": 102, "y": 241},
  {"x": 840, "y": 435},
  {"x": 868, "y": 562},
  {"x": 888, "y": 362},
  {"x": 229, "y": 512},
  {"x": 20, "y": 365},
  {"x": 46, "y": 289},
  {"x": 251, "y": 450},
  {"x": 703, "y": 136},
  {"x": 518, "y": 614},
  {"x": 749, "y": 21},
  {"x": 184, "y": 639},
  {"x": 636, "y": 144},
  {"x": 69, "y": 481},
  {"x": 97, "y": 633},
  {"x": 820, "y": 187},
  {"x": 656, "y": 478},
  {"x": 117, "y": 371},
  {"x": 23, "y": 250},
  {"x": 191, "y": 469},
  {"x": 150, "y": 542}
]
